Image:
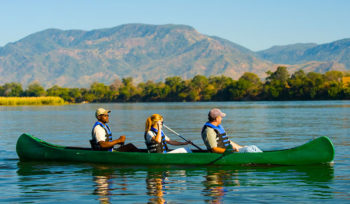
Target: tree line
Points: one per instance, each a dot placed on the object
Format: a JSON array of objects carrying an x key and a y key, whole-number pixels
[{"x": 278, "y": 85}]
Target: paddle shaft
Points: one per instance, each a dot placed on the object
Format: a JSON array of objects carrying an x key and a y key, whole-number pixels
[{"x": 181, "y": 136}]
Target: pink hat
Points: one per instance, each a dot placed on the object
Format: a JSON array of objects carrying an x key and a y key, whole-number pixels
[{"x": 215, "y": 112}]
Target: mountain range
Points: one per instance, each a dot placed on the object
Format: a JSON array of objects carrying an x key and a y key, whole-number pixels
[
  {"x": 77, "y": 58},
  {"x": 310, "y": 56}
]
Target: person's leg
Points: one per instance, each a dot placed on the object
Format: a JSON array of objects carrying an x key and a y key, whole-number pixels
[
  {"x": 181, "y": 150},
  {"x": 250, "y": 148},
  {"x": 188, "y": 150}
]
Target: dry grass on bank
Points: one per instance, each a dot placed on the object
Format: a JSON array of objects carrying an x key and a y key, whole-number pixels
[{"x": 42, "y": 100}]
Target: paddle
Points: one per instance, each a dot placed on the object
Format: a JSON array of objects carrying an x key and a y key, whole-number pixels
[
  {"x": 181, "y": 137},
  {"x": 228, "y": 151}
]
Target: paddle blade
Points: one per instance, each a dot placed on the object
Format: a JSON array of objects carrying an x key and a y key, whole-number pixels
[{"x": 229, "y": 150}]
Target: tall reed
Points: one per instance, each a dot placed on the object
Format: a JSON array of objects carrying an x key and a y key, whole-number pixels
[{"x": 42, "y": 100}]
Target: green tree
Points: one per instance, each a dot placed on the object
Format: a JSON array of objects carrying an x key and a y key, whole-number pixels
[
  {"x": 11, "y": 89},
  {"x": 35, "y": 89},
  {"x": 251, "y": 85},
  {"x": 248, "y": 87},
  {"x": 297, "y": 85},
  {"x": 154, "y": 92},
  {"x": 196, "y": 89},
  {"x": 333, "y": 76},
  {"x": 208, "y": 92},
  {"x": 220, "y": 84},
  {"x": 176, "y": 86},
  {"x": 276, "y": 85},
  {"x": 127, "y": 92},
  {"x": 234, "y": 91},
  {"x": 86, "y": 95},
  {"x": 72, "y": 95},
  {"x": 101, "y": 92},
  {"x": 114, "y": 87},
  {"x": 346, "y": 93},
  {"x": 334, "y": 90},
  {"x": 75, "y": 95},
  {"x": 313, "y": 85},
  {"x": 281, "y": 74}
]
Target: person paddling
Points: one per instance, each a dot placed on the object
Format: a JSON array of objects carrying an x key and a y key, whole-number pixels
[
  {"x": 102, "y": 134},
  {"x": 157, "y": 141},
  {"x": 215, "y": 138}
]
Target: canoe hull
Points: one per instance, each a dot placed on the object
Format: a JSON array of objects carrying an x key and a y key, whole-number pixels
[{"x": 317, "y": 151}]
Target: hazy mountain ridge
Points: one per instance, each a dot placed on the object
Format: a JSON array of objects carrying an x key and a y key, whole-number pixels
[
  {"x": 286, "y": 54},
  {"x": 76, "y": 58},
  {"x": 335, "y": 52}
]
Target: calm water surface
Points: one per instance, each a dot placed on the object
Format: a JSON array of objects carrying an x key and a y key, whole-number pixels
[{"x": 268, "y": 125}]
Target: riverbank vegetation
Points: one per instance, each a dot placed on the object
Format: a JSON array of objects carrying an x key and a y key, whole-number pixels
[
  {"x": 279, "y": 85},
  {"x": 41, "y": 100}
]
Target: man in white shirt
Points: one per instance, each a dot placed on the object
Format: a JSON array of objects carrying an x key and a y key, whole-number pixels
[{"x": 102, "y": 134}]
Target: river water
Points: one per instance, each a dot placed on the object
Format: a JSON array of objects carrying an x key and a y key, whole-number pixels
[{"x": 268, "y": 125}]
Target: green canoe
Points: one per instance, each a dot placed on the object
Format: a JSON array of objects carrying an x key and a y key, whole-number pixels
[{"x": 317, "y": 151}]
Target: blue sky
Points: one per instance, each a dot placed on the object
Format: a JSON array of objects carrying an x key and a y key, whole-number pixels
[{"x": 254, "y": 24}]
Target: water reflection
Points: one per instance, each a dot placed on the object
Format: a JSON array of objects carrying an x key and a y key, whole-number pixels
[
  {"x": 31, "y": 169},
  {"x": 102, "y": 176},
  {"x": 108, "y": 183},
  {"x": 155, "y": 184},
  {"x": 224, "y": 182},
  {"x": 216, "y": 181}
]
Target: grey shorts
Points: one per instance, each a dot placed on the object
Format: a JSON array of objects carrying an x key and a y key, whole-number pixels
[{"x": 250, "y": 148}]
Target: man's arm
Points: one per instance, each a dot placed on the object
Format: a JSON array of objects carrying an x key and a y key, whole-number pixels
[
  {"x": 235, "y": 148},
  {"x": 218, "y": 150},
  {"x": 211, "y": 139},
  {"x": 100, "y": 137},
  {"x": 176, "y": 143},
  {"x": 105, "y": 144}
]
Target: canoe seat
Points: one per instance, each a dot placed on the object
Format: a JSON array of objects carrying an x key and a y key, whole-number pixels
[
  {"x": 127, "y": 148},
  {"x": 94, "y": 146}
]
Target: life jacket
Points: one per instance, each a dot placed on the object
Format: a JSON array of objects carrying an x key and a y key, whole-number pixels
[
  {"x": 221, "y": 136},
  {"x": 94, "y": 144},
  {"x": 155, "y": 147}
]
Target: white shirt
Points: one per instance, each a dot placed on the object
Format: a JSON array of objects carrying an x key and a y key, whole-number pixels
[
  {"x": 99, "y": 133},
  {"x": 151, "y": 134}
]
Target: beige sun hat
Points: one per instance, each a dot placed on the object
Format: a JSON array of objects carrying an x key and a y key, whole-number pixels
[{"x": 101, "y": 111}]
